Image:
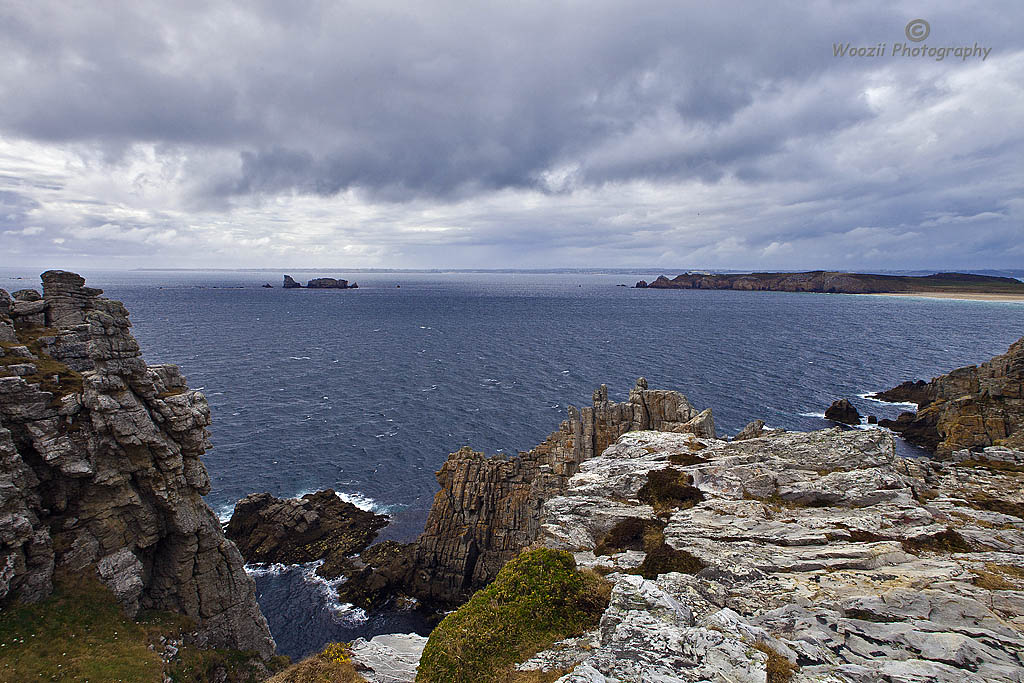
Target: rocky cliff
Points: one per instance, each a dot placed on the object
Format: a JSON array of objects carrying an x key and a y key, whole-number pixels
[
  {"x": 801, "y": 557},
  {"x": 970, "y": 407},
  {"x": 100, "y": 468},
  {"x": 489, "y": 508}
]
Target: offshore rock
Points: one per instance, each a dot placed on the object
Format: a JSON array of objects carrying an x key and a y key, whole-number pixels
[
  {"x": 317, "y": 526},
  {"x": 843, "y": 411},
  {"x": 971, "y": 407},
  {"x": 289, "y": 283},
  {"x": 489, "y": 508},
  {"x": 329, "y": 283},
  {"x": 825, "y": 557},
  {"x": 100, "y": 470}
]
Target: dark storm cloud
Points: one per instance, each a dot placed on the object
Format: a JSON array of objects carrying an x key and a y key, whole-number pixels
[
  {"x": 432, "y": 99},
  {"x": 649, "y": 131}
]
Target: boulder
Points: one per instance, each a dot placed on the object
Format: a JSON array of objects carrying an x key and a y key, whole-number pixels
[
  {"x": 843, "y": 411},
  {"x": 753, "y": 430}
]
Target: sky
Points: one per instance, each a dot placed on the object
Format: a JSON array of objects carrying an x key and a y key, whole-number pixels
[{"x": 648, "y": 134}]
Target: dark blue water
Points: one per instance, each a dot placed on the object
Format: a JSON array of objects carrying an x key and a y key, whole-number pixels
[{"x": 366, "y": 391}]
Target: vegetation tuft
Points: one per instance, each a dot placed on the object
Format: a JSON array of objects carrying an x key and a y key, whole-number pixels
[
  {"x": 537, "y": 599},
  {"x": 778, "y": 668},
  {"x": 948, "y": 541},
  {"x": 669, "y": 489},
  {"x": 51, "y": 375},
  {"x": 628, "y": 535},
  {"x": 333, "y": 664}
]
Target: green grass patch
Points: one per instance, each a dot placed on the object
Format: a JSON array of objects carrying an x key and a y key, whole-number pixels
[
  {"x": 80, "y": 633},
  {"x": 537, "y": 599}
]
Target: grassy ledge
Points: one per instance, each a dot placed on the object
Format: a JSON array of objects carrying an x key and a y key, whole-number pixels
[
  {"x": 333, "y": 664},
  {"x": 537, "y": 599},
  {"x": 80, "y": 634}
]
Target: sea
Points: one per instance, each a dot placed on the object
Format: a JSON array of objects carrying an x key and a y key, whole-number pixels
[{"x": 366, "y": 391}]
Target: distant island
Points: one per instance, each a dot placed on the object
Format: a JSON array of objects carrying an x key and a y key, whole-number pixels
[
  {"x": 319, "y": 283},
  {"x": 821, "y": 281}
]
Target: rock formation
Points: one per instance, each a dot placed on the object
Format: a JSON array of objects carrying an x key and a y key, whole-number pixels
[
  {"x": 816, "y": 556},
  {"x": 843, "y": 411},
  {"x": 489, "y": 508},
  {"x": 319, "y": 283},
  {"x": 100, "y": 469},
  {"x": 318, "y": 526},
  {"x": 970, "y": 407}
]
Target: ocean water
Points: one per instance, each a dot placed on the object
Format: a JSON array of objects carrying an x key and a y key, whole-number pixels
[{"x": 367, "y": 391}]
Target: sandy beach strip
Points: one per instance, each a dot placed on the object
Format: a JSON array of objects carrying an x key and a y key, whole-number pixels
[{"x": 964, "y": 296}]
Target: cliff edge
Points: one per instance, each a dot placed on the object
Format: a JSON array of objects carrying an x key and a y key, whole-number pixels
[
  {"x": 969, "y": 408},
  {"x": 100, "y": 469}
]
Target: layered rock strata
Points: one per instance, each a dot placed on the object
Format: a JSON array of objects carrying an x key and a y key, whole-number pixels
[
  {"x": 489, "y": 508},
  {"x": 815, "y": 556},
  {"x": 971, "y": 407},
  {"x": 100, "y": 469}
]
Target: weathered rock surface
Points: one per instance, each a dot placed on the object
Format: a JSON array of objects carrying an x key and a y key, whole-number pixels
[
  {"x": 290, "y": 283},
  {"x": 753, "y": 430},
  {"x": 317, "y": 526},
  {"x": 489, "y": 508},
  {"x": 100, "y": 470},
  {"x": 824, "y": 556},
  {"x": 970, "y": 407},
  {"x": 843, "y": 411},
  {"x": 390, "y": 658}
]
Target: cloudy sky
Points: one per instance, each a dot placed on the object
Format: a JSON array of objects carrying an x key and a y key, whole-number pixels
[{"x": 527, "y": 134}]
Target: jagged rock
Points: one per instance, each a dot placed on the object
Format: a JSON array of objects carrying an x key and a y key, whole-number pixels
[
  {"x": 872, "y": 419},
  {"x": 843, "y": 411},
  {"x": 318, "y": 526},
  {"x": 820, "y": 557},
  {"x": 970, "y": 407},
  {"x": 390, "y": 658},
  {"x": 100, "y": 472},
  {"x": 289, "y": 283},
  {"x": 26, "y": 295},
  {"x": 753, "y": 430},
  {"x": 488, "y": 508}
]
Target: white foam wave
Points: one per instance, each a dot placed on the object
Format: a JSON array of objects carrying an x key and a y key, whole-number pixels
[
  {"x": 867, "y": 396},
  {"x": 298, "y": 357},
  {"x": 342, "y": 612},
  {"x": 820, "y": 415}
]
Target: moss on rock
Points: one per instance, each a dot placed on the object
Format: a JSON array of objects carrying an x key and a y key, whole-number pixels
[{"x": 537, "y": 599}]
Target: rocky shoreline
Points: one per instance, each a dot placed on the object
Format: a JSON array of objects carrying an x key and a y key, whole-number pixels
[
  {"x": 771, "y": 556},
  {"x": 830, "y": 282}
]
